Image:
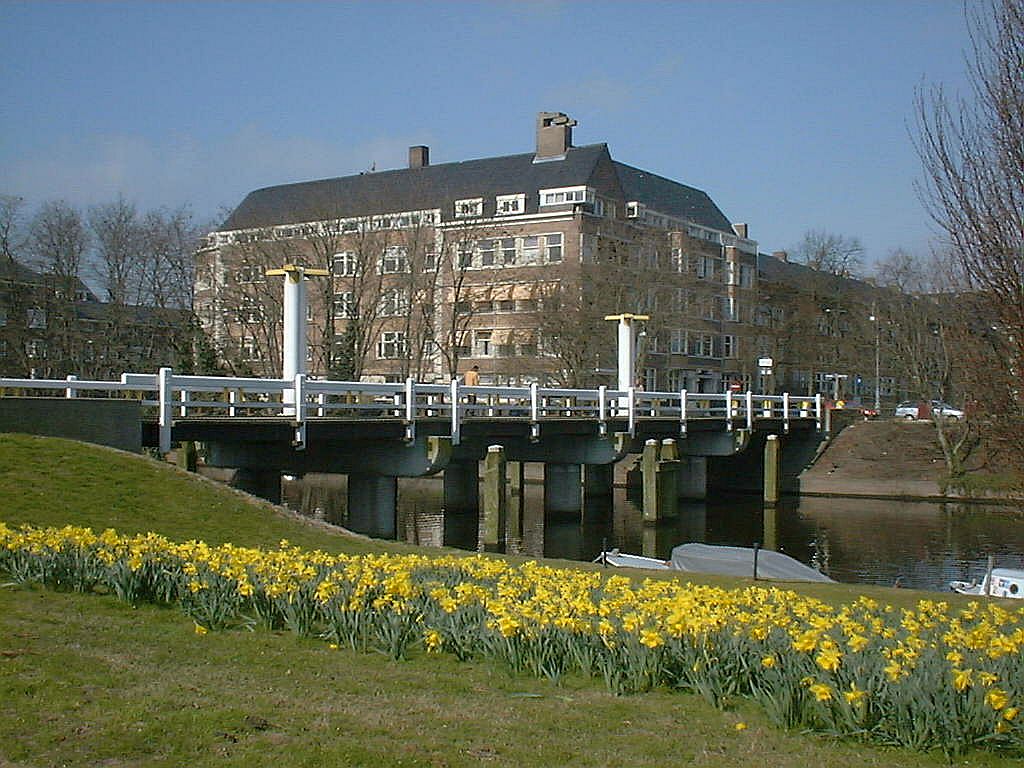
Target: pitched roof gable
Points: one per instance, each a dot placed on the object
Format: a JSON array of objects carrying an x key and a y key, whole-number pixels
[{"x": 670, "y": 197}]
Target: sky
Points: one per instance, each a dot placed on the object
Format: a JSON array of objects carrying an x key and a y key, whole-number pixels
[{"x": 793, "y": 116}]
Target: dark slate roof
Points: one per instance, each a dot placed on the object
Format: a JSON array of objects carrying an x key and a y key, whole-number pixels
[
  {"x": 773, "y": 270},
  {"x": 439, "y": 186},
  {"x": 670, "y": 197},
  {"x": 413, "y": 189}
]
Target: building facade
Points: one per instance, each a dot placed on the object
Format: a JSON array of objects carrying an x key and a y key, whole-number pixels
[{"x": 508, "y": 263}]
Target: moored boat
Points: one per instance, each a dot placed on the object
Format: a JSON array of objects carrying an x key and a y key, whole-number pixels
[
  {"x": 997, "y": 582},
  {"x": 721, "y": 560}
]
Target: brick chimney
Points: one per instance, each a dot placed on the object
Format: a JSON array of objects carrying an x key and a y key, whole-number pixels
[
  {"x": 740, "y": 230},
  {"x": 419, "y": 157},
  {"x": 781, "y": 255},
  {"x": 554, "y": 134}
]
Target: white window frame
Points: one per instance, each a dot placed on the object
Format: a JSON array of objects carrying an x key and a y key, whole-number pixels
[
  {"x": 551, "y": 248},
  {"x": 349, "y": 264},
  {"x": 566, "y": 196},
  {"x": 469, "y": 207},
  {"x": 345, "y": 301},
  {"x": 730, "y": 346},
  {"x": 677, "y": 341},
  {"x": 392, "y": 345},
  {"x": 483, "y": 344},
  {"x": 394, "y": 302},
  {"x": 394, "y": 260},
  {"x": 510, "y": 205}
]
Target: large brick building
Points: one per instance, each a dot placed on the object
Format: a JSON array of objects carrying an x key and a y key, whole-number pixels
[{"x": 509, "y": 263}]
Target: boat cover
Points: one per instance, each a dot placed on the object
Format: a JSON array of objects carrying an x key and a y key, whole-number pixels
[{"x": 739, "y": 561}]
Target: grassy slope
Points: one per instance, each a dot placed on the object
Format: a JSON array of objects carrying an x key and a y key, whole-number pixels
[{"x": 85, "y": 680}]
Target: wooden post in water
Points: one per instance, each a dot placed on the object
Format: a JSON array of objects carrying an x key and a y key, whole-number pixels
[
  {"x": 649, "y": 468},
  {"x": 495, "y": 500},
  {"x": 772, "y": 470},
  {"x": 668, "y": 479}
]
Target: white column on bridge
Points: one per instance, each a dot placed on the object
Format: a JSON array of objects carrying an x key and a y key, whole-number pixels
[
  {"x": 294, "y": 348},
  {"x": 627, "y": 347}
]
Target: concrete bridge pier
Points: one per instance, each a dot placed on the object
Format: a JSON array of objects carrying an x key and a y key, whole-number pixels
[
  {"x": 372, "y": 505},
  {"x": 660, "y": 467},
  {"x": 563, "y": 491},
  {"x": 461, "y": 488},
  {"x": 495, "y": 493},
  {"x": 265, "y": 483},
  {"x": 598, "y": 491}
]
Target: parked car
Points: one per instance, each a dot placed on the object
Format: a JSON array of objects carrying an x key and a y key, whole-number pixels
[{"x": 910, "y": 410}]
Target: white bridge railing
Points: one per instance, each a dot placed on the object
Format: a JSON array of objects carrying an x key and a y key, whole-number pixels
[{"x": 304, "y": 399}]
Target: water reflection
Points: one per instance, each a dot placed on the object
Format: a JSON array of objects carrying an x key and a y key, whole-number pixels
[{"x": 867, "y": 541}]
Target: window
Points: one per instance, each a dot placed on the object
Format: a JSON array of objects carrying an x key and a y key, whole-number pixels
[
  {"x": 704, "y": 267},
  {"x": 554, "y": 247},
  {"x": 677, "y": 342},
  {"x": 531, "y": 249},
  {"x": 526, "y": 305},
  {"x": 508, "y": 250},
  {"x": 702, "y": 345},
  {"x": 678, "y": 260},
  {"x": 249, "y": 273},
  {"x": 746, "y": 276},
  {"x": 429, "y": 261},
  {"x": 730, "y": 346},
  {"x": 482, "y": 346},
  {"x": 344, "y": 304},
  {"x": 464, "y": 255},
  {"x": 345, "y": 264},
  {"x": 35, "y": 348},
  {"x": 633, "y": 210},
  {"x": 510, "y": 204},
  {"x": 394, "y": 302},
  {"x": 564, "y": 195},
  {"x": 486, "y": 248},
  {"x": 504, "y": 305},
  {"x": 251, "y": 349},
  {"x": 469, "y": 207},
  {"x": 729, "y": 308},
  {"x": 395, "y": 260},
  {"x": 3, "y": 316},
  {"x": 392, "y": 345},
  {"x": 676, "y": 379},
  {"x": 680, "y": 300},
  {"x": 248, "y": 311},
  {"x": 651, "y": 379}
]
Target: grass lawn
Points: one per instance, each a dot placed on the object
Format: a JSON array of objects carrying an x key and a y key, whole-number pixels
[{"x": 86, "y": 680}]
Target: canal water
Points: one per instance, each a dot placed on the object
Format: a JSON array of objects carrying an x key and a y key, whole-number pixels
[{"x": 918, "y": 545}]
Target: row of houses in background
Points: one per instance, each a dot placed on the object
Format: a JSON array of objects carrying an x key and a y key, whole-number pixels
[
  {"x": 508, "y": 263},
  {"x": 52, "y": 327},
  {"x": 511, "y": 263}
]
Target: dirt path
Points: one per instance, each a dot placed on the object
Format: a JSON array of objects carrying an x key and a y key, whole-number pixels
[{"x": 879, "y": 458}]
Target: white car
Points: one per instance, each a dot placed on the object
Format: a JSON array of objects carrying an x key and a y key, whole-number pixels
[{"x": 909, "y": 410}]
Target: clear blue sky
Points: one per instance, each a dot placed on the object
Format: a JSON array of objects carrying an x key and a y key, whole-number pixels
[{"x": 792, "y": 115}]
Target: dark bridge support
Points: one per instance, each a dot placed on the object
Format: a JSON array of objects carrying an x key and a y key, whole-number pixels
[
  {"x": 461, "y": 493},
  {"x": 372, "y": 505},
  {"x": 265, "y": 483},
  {"x": 563, "y": 490}
]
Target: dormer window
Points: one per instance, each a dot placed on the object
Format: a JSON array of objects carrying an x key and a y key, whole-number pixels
[
  {"x": 469, "y": 207},
  {"x": 564, "y": 195},
  {"x": 508, "y": 205},
  {"x": 632, "y": 210}
]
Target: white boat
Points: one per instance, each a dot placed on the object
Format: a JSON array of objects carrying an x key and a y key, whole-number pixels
[
  {"x": 997, "y": 582},
  {"x": 721, "y": 560}
]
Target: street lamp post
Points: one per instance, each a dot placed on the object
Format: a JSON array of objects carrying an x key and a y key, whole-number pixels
[{"x": 878, "y": 401}]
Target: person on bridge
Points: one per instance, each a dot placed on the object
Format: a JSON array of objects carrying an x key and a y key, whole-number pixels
[{"x": 472, "y": 379}]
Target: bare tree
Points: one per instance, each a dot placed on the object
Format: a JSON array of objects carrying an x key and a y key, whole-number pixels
[
  {"x": 972, "y": 153},
  {"x": 828, "y": 252}
]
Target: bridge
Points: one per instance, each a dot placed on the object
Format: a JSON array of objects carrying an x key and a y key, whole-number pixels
[{"x": 376, "y": 433}]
